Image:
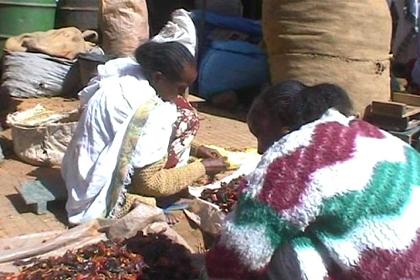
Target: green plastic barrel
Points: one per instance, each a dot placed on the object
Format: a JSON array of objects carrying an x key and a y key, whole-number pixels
[
  {"x": 82, "y": 14},
  {"x": 17, "y": 17}
]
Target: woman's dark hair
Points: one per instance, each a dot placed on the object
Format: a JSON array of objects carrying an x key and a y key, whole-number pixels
[
  {"x": 278, "y": 100},
  {"x": 294, "y": 104},
  {"x": 318, "y": 99},
  {"x": 169, "y": 58}
]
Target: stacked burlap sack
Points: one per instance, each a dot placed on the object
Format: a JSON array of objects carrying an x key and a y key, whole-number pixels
[
  {"x": 123, "y": 25},
  {"x": 342, "y": 42},
  {"x": 39, "y": 64}
]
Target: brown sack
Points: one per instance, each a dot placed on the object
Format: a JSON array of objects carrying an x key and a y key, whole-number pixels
[
  {"x": 363, "y": 80},
  {"x": 342, "y": 42},
  {"x": 65, "y": 43},
  {"x": 124, "y": 26}
]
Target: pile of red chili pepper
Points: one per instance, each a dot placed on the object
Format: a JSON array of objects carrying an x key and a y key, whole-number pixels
[
  {"x": 152, "y": 257},
  {"x": 226, "y": 196}
]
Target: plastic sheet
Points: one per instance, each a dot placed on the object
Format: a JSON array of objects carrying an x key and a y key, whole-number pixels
[{"x": 144, "y": 218}]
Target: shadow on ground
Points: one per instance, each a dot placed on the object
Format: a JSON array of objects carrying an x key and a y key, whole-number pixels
[
  {"x": 205, "y": 107},
  {"x": 57, "y": 208},
  {"x": 19, "y": 204},
  {"x": 51, "y": 178}
]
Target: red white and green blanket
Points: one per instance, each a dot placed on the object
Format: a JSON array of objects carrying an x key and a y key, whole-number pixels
[{"x": 343, "y": 193}]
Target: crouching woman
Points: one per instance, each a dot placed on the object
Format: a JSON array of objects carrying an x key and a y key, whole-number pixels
[
  {"x": 332, "y": 198},
  {"x": 134, "y": 137}
]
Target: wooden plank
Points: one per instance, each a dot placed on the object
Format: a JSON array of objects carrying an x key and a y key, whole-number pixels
[
  {"x": 389, "y": 123},
  {"x": 411, "y": 111},
  {"x": 394, "y": 109},
  {"x": 391, "y": 109},
  {"x": 409, "y": 99}
]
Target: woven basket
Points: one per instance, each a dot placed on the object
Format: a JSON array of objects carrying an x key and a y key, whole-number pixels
[{"x": 43, "y": 144}]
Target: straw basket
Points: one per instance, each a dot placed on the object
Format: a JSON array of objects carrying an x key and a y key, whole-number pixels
[{"x": 40, "y": 137}]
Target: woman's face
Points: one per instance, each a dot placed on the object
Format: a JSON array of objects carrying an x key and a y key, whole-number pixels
[
  {"x": 169, "y": 90},
  {"x": 265, "y": 127}
]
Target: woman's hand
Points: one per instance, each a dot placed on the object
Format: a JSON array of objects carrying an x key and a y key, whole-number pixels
[
  {"x": 204, "y": 152},
  {"x": 214, "y": 165}
]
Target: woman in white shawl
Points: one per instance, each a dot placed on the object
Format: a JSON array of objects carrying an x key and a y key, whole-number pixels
[{"x": 135, "y": 127}]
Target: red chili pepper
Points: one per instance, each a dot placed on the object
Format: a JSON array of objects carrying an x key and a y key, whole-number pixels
[
  {"x": 151, "y": 257},
  {"x": 226, "y": 196}
]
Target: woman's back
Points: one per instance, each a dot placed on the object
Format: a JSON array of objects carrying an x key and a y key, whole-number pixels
[
  {"x": 342, "y": 193},
  {"x": 332, "y": 198},
  {"x": 110, "y": 104}
]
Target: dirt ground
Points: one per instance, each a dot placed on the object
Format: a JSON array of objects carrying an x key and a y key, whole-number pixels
[{"x": 226, "y": 129}]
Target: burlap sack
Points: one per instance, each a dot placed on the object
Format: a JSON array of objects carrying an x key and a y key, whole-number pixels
[
  {"x": 66, "y": 43},
  {"x": 342, "y": 42},
  {"x": 123, "y": 25}
]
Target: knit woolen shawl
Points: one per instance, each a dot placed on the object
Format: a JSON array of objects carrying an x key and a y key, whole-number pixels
[{"x": 342, "y": 193}]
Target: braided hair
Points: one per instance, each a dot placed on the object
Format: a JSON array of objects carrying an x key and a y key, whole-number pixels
[{"x": 169, "y": 58}]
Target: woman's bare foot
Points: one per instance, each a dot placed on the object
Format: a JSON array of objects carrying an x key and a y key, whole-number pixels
[{"x": 171, "y": 219}]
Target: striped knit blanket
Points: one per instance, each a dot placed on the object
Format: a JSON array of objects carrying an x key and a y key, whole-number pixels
[{"x": 343, "y": 194}]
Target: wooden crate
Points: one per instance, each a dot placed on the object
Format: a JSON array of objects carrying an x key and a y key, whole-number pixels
[{"x": 409, "y": 99}]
